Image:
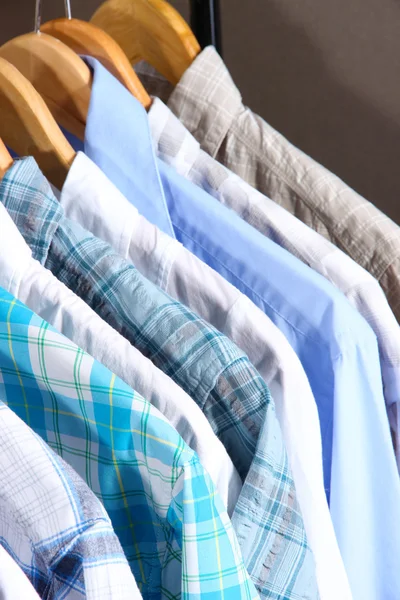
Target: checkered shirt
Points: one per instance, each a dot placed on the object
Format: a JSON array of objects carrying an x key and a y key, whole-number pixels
[
  {"x": 211, "y": 369},
  {"x": 51, "y": 524},
  {"x": 170, "y": 521},
  {"x": 210, "y": 106}
]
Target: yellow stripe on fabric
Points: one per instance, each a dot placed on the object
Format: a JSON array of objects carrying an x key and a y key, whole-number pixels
[
  {"x": 12, "y": 304},
  {"x": 221, "y": 582},
  {"x": 192, "y": 500},
  {"x": 121, "y": 485},
  {"x": 99, "y": 424}
]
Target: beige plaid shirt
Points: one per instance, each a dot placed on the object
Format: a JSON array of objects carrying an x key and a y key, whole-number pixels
[{"x": 209, "y": 104}]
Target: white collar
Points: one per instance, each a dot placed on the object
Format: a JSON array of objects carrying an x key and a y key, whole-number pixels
[
  {"x": 89, "y": 197},
  {"x": 170, "y": 137},
  {"x": 15, "y": 254}
]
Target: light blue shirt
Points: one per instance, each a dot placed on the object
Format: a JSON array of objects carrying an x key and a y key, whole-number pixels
[{"x": 337, "y": 348}]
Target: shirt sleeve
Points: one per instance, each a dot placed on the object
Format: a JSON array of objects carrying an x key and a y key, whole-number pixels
[{"x": 365, "y": 484}]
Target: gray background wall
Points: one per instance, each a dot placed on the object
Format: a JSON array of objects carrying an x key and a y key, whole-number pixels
[{"x": 326, "y": 73}]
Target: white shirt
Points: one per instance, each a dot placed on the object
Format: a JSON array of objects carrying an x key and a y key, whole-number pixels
[
  {"x": 91, "y": 199},
  {"x": 14, "y": 584},
  {"x": 37, "y": 287},
  {"x": 361, "y": 289}
]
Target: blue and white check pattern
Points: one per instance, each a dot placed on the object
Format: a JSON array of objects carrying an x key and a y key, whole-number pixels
[
  {"x": 211, "y": 369},
  {"x": 170, "y": 521},
  {"x": 51, "y": 524}
]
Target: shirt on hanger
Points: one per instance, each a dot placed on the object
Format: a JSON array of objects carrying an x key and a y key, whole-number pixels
[
  {"x": 14, "y": 584},
  {"x": 210, "y": 106},
  {"x": 178, "y": 147},
  {"x": 169, "y": 518},
  {"x": 35, "y": 286},
  {"x": 92, "y": 200},
  {"x": 210, "y": 367},
  {"x": 337, "y": 348},
  {"x": 51, "y": 524}
]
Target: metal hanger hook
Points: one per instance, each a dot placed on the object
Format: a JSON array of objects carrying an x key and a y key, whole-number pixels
[
  {"x": 67, "y": 5},
  {"x": 38, "y": 15}
]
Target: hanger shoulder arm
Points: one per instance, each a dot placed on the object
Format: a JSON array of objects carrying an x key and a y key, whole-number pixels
[{"x": 27, "y": 126}]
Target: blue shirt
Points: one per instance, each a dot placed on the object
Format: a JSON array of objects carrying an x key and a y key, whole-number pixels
[{"x": 337, "y": 348}]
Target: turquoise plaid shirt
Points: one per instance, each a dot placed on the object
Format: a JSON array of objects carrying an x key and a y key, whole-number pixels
[
  {"x": 170, "y": 521},
  {"x": 211, "y": 369}
]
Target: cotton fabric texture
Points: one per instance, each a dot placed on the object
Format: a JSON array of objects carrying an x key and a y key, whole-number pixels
[
  {"x": 37, "y": 287},
  {"x": 170, "y": 520},
  {"x": 14, "y": 584},
  {"x": 210, "y": 106},
  {"x": 91, "y": 199},
  {"x": 51, "y": 524},
  {"x": 176, "y": 146},
  {"x": 336, "y": 346},
  {"x": 211, "y": 368}
]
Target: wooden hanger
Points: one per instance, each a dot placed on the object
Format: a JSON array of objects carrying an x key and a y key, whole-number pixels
[
  {"x": 150, "y": 30},
  {"x": 86, "y": 38},
  {"x": 57, "y": 73},
  {"x": 5, "y": 159},
  {"x": 27, "y": 126}
]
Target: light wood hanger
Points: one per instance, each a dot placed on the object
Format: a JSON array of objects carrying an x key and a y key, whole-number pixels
[
  {"x": 57, "y": 73},
  {"x": 86, "y": 38},
  {"x": 150, "y": 30},
  {"x": 5, "y": 159},
  {"x": 27, "y": 126}
]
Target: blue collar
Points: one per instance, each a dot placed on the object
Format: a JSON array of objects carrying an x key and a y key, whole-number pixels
[{"x": 109, "y": 134}]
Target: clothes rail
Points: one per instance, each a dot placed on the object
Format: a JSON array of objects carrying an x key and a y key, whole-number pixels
[{"x": 206, "y": 23}]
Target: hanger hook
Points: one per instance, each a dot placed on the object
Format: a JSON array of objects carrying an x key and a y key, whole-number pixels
[
  {"x": 38, "y": 15},
  {"x": 67, "y": 5}
]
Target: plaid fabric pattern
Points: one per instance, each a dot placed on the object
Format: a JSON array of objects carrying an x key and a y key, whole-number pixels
[
  {"x": 170, "y": 521},
  {"x": 215, "y": 373},
  {"x": 209, "y": 104},
  {"x": 14, "y": 584},
  {"x": 90, "y": 198},
  {"x": 51, "y": 524},
  {"x": 176, "y": 146}
]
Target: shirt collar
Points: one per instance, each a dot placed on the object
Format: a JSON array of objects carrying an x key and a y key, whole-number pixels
[
  {"x": 206, "y": 99},
  {"x": 118, "y": 140},
  {"x": 171, "y": 138},
  {"x": 15, "y": 253},
  {"x": 27, "y": 196},
  {"x": 89, "y": 197}
]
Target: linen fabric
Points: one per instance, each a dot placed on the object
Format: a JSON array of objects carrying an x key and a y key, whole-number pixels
[
  {"x": 176, "y": 146},
  {"x": 208, "y": 103},
  {"x": 37, "y": 287},
  {"x": 207, "y": 365},
  {"x": 169, "y": 518},
  {"x": 336, "y": 346},
  {"x": 91, "y": 199},
  {"x": 51, "y": 524}
]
